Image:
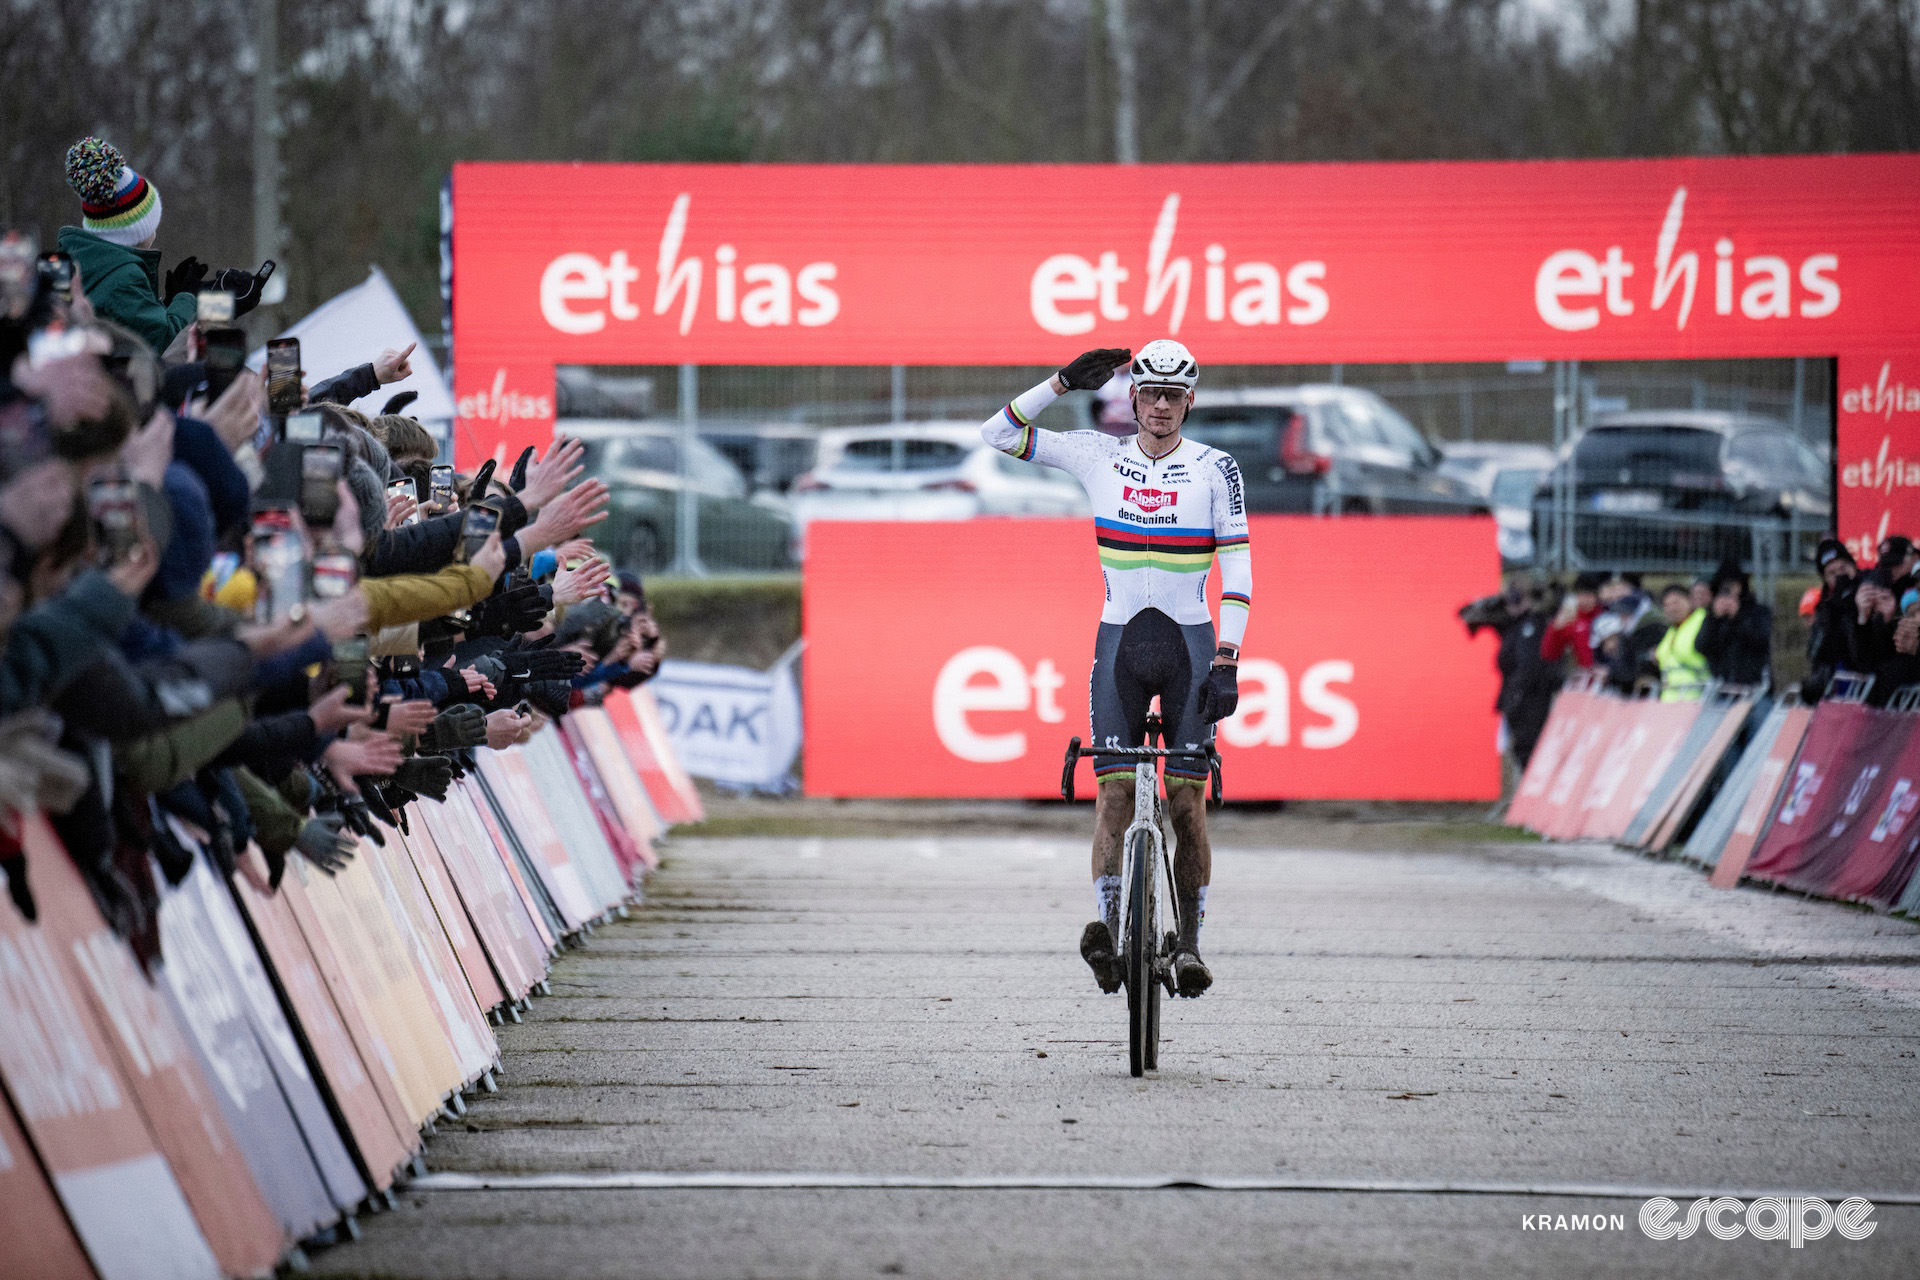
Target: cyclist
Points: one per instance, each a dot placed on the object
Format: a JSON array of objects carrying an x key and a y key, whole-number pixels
[{"x": 1164, "y": 509}]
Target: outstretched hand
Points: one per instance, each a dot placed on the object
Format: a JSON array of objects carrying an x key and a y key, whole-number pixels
[{"x": 1090, "y": 370}]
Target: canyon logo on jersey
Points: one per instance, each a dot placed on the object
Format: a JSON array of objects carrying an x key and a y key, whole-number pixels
[{"x": 1149, "y": 499}]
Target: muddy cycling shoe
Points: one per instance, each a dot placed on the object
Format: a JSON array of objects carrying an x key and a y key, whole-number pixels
[
  {"x": 1190, "y": 973},
  {"x": 1096, "y": 948}
]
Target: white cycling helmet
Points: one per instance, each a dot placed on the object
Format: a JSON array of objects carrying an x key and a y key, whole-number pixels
[{"x": 1165, "y": 363}]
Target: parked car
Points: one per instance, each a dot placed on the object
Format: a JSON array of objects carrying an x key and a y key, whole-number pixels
[
  {"x": 1709, "y": 462},
  {"x": 1506, "y": 476},
  {"x": 926, "y": 471},
  {"x": 1320, "y": 448},
  {"x": 771, "y": 455},
  {"x": 640, "y": 462},
  {"x": 1677, "y": 484}
]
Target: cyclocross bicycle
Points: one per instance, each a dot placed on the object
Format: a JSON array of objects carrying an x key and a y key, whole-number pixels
[{"x": 1146, "y": 877}]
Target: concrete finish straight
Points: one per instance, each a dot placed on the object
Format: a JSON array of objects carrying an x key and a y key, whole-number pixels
[{"x": 1409, "y": 1060}]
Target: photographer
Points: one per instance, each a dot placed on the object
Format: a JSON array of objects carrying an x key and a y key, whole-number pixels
[
  {"x": 1527, "y": 680},
  {"x": 1830, "y": 643}
]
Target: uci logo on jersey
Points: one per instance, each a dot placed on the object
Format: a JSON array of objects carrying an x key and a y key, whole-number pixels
[
  {"x": 1149, "y": 499},
  {"x": 1130, "y": 473}
]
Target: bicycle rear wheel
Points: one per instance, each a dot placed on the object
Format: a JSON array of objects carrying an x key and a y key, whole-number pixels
[{"x": 1143, "y": 986}]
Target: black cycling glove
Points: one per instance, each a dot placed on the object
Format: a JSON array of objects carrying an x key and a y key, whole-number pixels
[
  {"x": 464, "y": 725},
  {"x": 243, "y": 285},
  {"x": 1090, "y": 370},
  {"x": 517, "y": 479},
  {"x": 425, "y": 775},
  {"x": 481, "y": 479},
  {"x": 552, "y": 698},
  {"x": 186, "y": 277},
  {"x": 510, "y": 612},
  {"x": 1219, "y": 694},
  {"x": 543, "y": 664},
  {"x": 323, "y": 841},
  {"x": 16, "y": 869}
]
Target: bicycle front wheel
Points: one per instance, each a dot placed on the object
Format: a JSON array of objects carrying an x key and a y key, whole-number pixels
[{"x": 1143, "y": 985}]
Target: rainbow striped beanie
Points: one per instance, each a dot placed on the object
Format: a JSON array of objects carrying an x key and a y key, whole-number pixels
[{"x": 118, "y": 204}]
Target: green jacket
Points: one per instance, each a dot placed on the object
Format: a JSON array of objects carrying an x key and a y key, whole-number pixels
[
  {"x": 124, "y": 286},
  {"x": 276, "y": 825},
  {"x": 176, "y": 753},
  {"x": 1683, "y": 671}
]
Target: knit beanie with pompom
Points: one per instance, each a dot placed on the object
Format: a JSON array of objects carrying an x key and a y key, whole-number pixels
[{"x": 118, "y": 204}]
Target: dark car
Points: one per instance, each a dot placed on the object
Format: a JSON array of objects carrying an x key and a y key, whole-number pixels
[
  {"x": 1712, "y": 463},
  {"x": 640, "y": 462},
  {"x": 1689, "y": 483},
  {"x": 1328, "y": 449}
]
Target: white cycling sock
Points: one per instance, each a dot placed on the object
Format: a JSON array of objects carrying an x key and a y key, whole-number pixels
[{"x": 1106, "y": 896}]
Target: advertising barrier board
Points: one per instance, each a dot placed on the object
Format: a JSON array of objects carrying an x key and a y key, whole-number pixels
[{"x": 952, "y": 660}]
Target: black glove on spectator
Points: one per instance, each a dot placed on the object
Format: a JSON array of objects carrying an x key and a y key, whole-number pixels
[
  {"x": 324, "y": 842},
  {"x": 552, "y": 698},
  {"x": 186, "y": 277},
  {"x": 481, "y": 479},
  {"x": 1219, "y": 694},
  {"x": 244, "y": 288},
  {"x": 517, "y": 478},
  {"x": 276, "y": 866},
  {"x": 464, "y": 725},
  {"x": 1090, "y": 370},
  {"x": 425, "y": 775},
  {"x": 543, "y": 664},
  {"x": 510, "y": 612},
  {"x": 16, "y": 869}
]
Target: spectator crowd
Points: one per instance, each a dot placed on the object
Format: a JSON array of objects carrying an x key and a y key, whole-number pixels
[
  {"x": 1864, "y": 627},
  {"x": 1673, "y": 645},
  {"x": 248, "y": 605}
]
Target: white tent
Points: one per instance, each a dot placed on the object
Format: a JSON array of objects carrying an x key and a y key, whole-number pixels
[{"x": 351, "y": 329}]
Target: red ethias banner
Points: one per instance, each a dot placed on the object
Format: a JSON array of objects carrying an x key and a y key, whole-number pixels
[
  {"x": 1246, "y": 264},
  {"x": 952, "y": 659}
]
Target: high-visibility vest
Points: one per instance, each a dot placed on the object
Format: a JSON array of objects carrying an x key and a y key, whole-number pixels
[{"x": 1683, "y": 672}]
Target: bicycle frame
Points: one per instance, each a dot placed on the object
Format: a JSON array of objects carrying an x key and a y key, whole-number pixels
[
  {"x": 1147, "y": 815},
  {"x": 1146, "y": 954}
]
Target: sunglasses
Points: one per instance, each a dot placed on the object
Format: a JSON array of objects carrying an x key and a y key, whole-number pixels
[{"x": 1169, "y": 395}]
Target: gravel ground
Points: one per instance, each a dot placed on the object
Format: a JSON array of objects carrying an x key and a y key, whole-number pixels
[{"x": 1402, "y": 995}]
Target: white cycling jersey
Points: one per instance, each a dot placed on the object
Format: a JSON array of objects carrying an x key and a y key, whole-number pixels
[{"x": 1160, "y": 522}]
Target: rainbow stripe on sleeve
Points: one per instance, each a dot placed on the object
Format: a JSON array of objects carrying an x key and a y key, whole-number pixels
[
  {"x": 1234, "y": 597},
  {"x": 1233, "y": 542},
  {"x": 1024, "y": 448}
]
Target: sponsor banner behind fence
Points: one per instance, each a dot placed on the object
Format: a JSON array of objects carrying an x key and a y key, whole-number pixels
[
  {"x": 953, "y": 660},
  {"x": 1248, "y": 264},
  {"x": 1822, "y": 799},
  {"x": 1837, "y": 793},
  {"x": 281, "y": 1058},
  {"x": 732, "y": 724}
]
